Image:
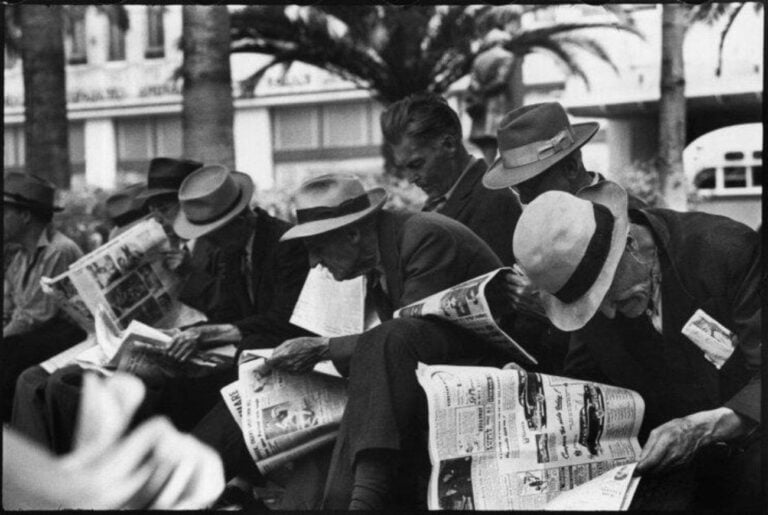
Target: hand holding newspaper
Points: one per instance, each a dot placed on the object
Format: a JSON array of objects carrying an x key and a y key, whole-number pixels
[
  {"x": 284, "y": 416},
  {"x": 479, "y": 305},
  {"x": 511, "y": 440}
]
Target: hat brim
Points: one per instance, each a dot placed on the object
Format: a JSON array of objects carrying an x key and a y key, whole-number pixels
[
  {"x": 147, "y": 194},
  {"x": 32, "y": 205},
  {"x": 575, "y": 315},
  {"x": 189, "y": 230},
  {"x": 376, "y": 196},
  {"x": 498, "y": 176}
]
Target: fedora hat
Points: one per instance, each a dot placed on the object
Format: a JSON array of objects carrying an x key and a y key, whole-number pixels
[
  {"x": 531, "y": 139},
  {"x": 209, "y": 198},
  {"x": 569, "y": 246},
  {"x": 332, "y": 201},
  {"x": 166, "y": 175},
  {"x": 125, "y": 206},
  {"x": 29, "y": 191}
]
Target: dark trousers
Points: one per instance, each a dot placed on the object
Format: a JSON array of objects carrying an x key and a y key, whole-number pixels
[
  {"x": 387, "y": 408},
  {"x": 48, "y": 405},
  {"x": 19, "y": 352}
]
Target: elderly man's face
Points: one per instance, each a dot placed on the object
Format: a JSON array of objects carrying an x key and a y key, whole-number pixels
[
  {"x": 340, "y": 251},
  {"x": 164, "y": 207},
  {"x": 13, "y": 223},
  {"x": 631, "y": 289},
  {"x": 430, "y": 166}
]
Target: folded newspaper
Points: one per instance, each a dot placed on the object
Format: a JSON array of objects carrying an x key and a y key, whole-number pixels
[
  {"x": 511, "y": 440},
  {"x": 124, "y": 278},
  {"x": 284, "y": 416},
  {"x": 478, "y": 305}
]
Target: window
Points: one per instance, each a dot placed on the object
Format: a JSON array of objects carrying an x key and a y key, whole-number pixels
[
  {"x": 11, "y": 58},
  {"x": 735, "y": 177},
  {"x": 327, "y": 131},
  {"x": 757, "y": 175},
  {"x": 75, "y": 40},
  {"x": 155, "y": 32},
  {"x": 13, "y": 153},
  {"x": 141, "y": 139},
  {"x": 77, "y": 146},
  {"x": 705, "y": 179},
  {"x": 734, "y": 156},
  {"x": 116, "y": 42}
]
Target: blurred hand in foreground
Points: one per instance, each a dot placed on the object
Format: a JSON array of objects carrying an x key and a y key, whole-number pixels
[
  {"x": 299, "y": 355},
  {"x": 151, "y": 467}
]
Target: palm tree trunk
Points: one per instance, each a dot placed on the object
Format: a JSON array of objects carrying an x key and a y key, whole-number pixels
[
  {"x": 208, "y": 112},
  {"x": 672, "y": 109},
  {"x": 45, "y": 93}
]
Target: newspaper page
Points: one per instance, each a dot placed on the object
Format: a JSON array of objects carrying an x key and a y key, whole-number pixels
[
  {"x": 120, "y": 277},
  {"x": 284, "y": 416},
  {"x": 474, "y": 305},
  {"x": 511, "y": 440},
  {"x": 328, "y": 307},
  {"x": 68, "y": 299}
]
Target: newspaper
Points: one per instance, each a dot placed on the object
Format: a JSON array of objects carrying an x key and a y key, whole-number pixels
[
  {"x": 122, "y": 277},
  {"x": 474, "y": 305},
  {"x": 511, "y": 440},
  {"x": 68, "y": 299},
  {"x": 328, "y": 307},
  {"x": 284, "y": 416}
]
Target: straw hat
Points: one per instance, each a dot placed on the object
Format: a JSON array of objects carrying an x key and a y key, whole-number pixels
[
  {"x": 209, "y": 198},
  {"x": 569, "y": 246},
  {"x": 332, "y": 201},
  {"x": 531, "y": 139}
]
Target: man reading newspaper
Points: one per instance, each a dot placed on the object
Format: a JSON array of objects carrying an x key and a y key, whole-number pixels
[
  {"x": 669, "y": 305},
  {"x": 406, "y": 257}
]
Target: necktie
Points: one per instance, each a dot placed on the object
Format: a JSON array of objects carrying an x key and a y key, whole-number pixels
[
  {"x": 376, "y": 297},
  {"x": 434, "y": 204}
]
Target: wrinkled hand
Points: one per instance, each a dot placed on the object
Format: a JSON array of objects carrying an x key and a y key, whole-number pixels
[
  {"x": 675, "y": 443},
  {"x": 175, "y": 260},
  {"x": 299, "y": 354},
  {"x": 185, "y": 344},
  {"x": 522, "y": 294}
]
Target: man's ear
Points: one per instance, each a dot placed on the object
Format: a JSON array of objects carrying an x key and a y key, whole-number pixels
[{"x": 354, "y": 235}]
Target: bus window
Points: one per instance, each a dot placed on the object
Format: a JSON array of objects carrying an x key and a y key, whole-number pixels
[
  {"x": 757, "y": 176},
  {"x": 735, "y": 176},
  {"x": 705, "y": 179}
]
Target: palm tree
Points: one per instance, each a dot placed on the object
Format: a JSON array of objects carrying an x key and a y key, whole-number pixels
[
  {"x": 676, "y": 19},
  {"x": 207, "y": 109},
  {"x": 39, "y": 42}
]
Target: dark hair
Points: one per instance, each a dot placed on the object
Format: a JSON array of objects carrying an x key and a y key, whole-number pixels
[{"x": 421, "y": 116}]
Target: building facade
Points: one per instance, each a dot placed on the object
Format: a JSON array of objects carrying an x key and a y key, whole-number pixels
[{"x": 125, "y": 105}]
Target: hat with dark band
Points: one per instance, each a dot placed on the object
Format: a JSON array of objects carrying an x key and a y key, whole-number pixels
[
  {"x": 329, "y": 202},
  {"x": 166, "y": 175},
  {"x": 531, "y": 139},
  {"x": 29, "y": 191},
  {"x": 569, "y": 246},
  {"x": 210, "y": 198}
]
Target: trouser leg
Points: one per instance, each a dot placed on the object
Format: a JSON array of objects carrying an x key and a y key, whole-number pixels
[{"x": 29, "y": 410}]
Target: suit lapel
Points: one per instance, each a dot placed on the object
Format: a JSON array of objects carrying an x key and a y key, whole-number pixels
[
  {"x": 462, "y": 195},
  {"x": 258, "y": 251}
]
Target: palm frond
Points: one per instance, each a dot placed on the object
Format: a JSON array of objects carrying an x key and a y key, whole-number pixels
[
  {"x": 731, "y": 16},
  {"x": 563, "y": 55},
  {"x": 590, "y": 46}
]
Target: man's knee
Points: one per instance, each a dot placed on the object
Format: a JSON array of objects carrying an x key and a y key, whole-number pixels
[
  {"x": 33, "y": 379},
  {"x": 397, "y": 338}
]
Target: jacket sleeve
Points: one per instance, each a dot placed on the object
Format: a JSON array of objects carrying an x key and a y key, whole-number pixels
[
  {"x": 579, "y": 362},
  {"x": 746, "y": 289},
  {"x": 271, "y": 325}
]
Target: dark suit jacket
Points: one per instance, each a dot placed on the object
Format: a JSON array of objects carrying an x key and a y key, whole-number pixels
[
  {"x": 707, "y": 262},
  {"x": 422, "y": 254},
  {"x": 491, "y": 214},
  {"x": 278, "y": 273}
]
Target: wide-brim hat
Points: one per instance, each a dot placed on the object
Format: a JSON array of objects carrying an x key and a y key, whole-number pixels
[
  {"x": 209, "y": 198},
  {"x": 166, "y": 174},
  {"x": 531, "y": 139},
  {"x": 569, "y": 246},
  {"x": 125, "y": 205},
  {"x": 29, "y": 191},
  {"x": 329, "y": 202}
]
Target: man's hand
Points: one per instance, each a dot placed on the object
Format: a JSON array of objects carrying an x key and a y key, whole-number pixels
[
  {"x": 675, "y": 443},
  {"x": 185, "y": 344},
  {"x": 176, "y": 260},
  {"x": 299, "y": 354},
  {"x": 522, "y": 295}
]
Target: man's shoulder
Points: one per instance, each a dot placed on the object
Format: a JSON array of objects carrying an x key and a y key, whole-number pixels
[
  {"x": 696, "y": 229},
  {"x": 60, "y": 243}
]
